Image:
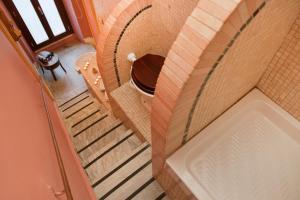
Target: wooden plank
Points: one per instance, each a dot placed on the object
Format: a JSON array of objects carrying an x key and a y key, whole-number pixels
[
  {"x": 70, "y": 101},
  {"x": 122, "y": 163},
  {"x": 132, "y": 184},
  {"x": 73, "y": 100},
  {"x": 116, "y": 178},
  {"x": 84, "y": 113},
  {"x": 101, "y": 136},
  {"x": 110, "y": 159},
  {"x": 96, "y": 117},
  {"x": 94, "y": 132},
  {"x": 107, "y": 148},
  {"x": 68, "y": 107},
  {"x": 152, "y": 191},
  {"x": 73, "y": 110},
  {"x": 164, "y": 198},
  {"x": 85, "y": 118}
]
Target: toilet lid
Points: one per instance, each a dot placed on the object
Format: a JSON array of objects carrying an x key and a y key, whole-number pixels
[{"x": 145, "y": 72}]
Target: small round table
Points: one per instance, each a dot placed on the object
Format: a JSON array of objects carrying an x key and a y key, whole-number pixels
[{"x": 51, "y": 65}]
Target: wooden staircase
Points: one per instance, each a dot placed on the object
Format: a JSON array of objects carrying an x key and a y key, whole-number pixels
[{"x": 116, "y": 162}]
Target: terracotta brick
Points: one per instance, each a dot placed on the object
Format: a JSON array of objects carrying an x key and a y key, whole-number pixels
[
  {"x": 229, "y": 29},
  {"x": 207, "y": 19},
  {"x": 169, "y": 91},
  {"x": 214, "y": 9},
  {"x": 201, "y": 28},
  {"x": 259, "y": 2},
  {"x": 194, "y": 37},
  {"x": 180, "y": 74},
  {"x": 228, "y": 5},
  {"x": 175, "y": 77},
  {"x": 219, "y": 43},
  {"x": 185, "y": 54},
  {"x": 180, "y": 61},
  {"x": 163, "y": 115},
  {"x": 190, "y": 46},
  {"x": 251, "y": 5},
  {"x": 205, "y": 63},
  {"x": 236, "y": 20},
  {"x": 243, "y": 11}
]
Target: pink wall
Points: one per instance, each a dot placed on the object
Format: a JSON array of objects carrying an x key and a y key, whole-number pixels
[
  {"x": 73, "y": 19},
  {"x": 81, "y": 18},
  {"x": 77, "y": 18},
  {"x": 93, "y": 24},
  {"x": 28, "y": 163}
]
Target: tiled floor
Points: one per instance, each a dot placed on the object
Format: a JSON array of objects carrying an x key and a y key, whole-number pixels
[
  {"x": 116, "y": 162},
  {"x": 71, "y": 83}
]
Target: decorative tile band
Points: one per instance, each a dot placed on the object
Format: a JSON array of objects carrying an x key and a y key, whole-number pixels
[
  {"x": 216, "y": 64},
  {"x": 120, "y": 38}
]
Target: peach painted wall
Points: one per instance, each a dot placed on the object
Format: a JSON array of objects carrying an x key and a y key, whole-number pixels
[
  {"x": 73, "y": 19},
  {"x": 91, "y": 17},
  {"x": 81, "y": 18},
  {"x": 28, "y": 162},
  {"x": 78, "y": 18}
]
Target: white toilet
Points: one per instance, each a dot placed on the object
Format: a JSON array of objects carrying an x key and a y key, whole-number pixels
[{"x": 144, "y": 73}]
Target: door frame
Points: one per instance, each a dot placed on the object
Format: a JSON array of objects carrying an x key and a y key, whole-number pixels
[{"x": 25, "y": 31}]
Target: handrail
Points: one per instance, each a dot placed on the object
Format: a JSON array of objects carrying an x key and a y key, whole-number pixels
[{"x": 67, "y": 189}]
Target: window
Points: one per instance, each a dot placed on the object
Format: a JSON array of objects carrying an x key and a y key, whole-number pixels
[{"x": 41, "y": 21}]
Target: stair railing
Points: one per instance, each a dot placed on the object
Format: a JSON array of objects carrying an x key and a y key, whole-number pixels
[{"x": 67, "y": 189}]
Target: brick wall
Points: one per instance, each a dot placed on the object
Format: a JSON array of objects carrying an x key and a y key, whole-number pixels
[{"x": 281, "y": 81}]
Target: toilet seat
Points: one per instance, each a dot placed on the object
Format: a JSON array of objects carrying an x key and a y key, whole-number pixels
[{"x": 145, "y": 72}]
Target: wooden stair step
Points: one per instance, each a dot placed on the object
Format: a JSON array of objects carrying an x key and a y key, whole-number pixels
[
  {"x": 78, "y": 107},
  {"x": 103, "y": 165},
  {"x": 84, "y": 114},
  {"x": 122, "y": 163},
  {"x": 65, "y": 108},
  {"x": 150, "y": 191},
  {"x": 102, "y": 109},
  {"x": 73, "y": 99},
  {"x": 108, "y": 183},
  {"x": 123, "y": 191},
  {"x": 116, "y": 140},
  {"x": 95, "y": 133},
  {"x": 89, "y": 121},
  {"x": 81, "y": 115},
  {"x": 109, "y": 139},
  {"x": 118, "y": 165},
  {"x": 77, "y": 123},
  {"x": 163, "y": 196}
]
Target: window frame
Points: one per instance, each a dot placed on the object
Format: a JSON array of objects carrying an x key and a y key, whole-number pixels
[{"x": 38, "y": 9}]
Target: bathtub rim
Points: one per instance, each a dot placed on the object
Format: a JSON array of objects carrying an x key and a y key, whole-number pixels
[{"x": 178, "y": 161}]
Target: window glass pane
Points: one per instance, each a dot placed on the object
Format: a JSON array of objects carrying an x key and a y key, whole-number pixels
[
  {"x": 53, "y": 17},
  {"x": 31, "y": 20}
]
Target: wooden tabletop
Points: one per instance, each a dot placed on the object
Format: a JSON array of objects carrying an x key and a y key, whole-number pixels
[{"x": 54, "y": 60}]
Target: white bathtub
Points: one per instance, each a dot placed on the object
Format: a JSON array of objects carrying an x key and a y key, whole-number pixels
[{"x": 251, "y": 152}]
